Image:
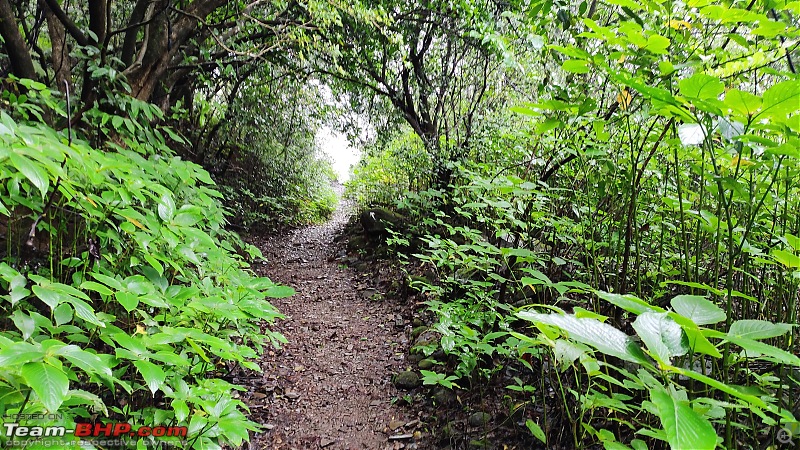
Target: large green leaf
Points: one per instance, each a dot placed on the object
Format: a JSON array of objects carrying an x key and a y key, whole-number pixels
[
  {"x": 87, "y": 361},
  {"x": 20, "y": 352},
  {"x": 49, "y": 296},
  {"x": 663, "y": 337},
  {"x": 758, "y": 329},
  {"x": 32, "y": 172},
  {"x": 279, "y": 291},
  {"x": 788, "y": 259},
  {"x": 698, "y": 309},
  {"x": 684, "y": 427},
  {"x": 781, "y": 100},
  {"x": 743, "y": 104},
  {"x": 701, "y": 86},
  {"x": 594, "y": 333},
  {"x": 628, "y": 302},
  {"x": 576, "y": 66},
  {"x": 166, "y": 208},
  {"x": 153, "y": 375},
  {"x": 50, "y": 383}
]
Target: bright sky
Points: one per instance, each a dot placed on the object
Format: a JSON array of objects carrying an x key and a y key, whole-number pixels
[{"x": 338, "y": 148}]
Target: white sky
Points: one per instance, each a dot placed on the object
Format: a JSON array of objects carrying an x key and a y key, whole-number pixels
[{"x": 336, "y": 146}]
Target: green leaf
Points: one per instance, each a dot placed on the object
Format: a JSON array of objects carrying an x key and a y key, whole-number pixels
[
  {"x": 85, "y": 312},
  {"x": 788, "y": 259},
  {"x": 166, "y": 208},
  {"x": 684, "y": 427},
  {"x": 278, "y": 291},
  {"x": 50, "y": 383},
  {"x": 97, "y": 287},
  {"x": 628, "y": 302},
  {"x": 743, "y": 104},
  {"x": 781, "y": 100},
  {"x": 32, "y": 172},
  {"x": 128, "y": 300},
  {"x": 24, "y": 323},
  {"x": 181, "y": 410},
  {"x": 601, "y": 336},
  {"x": 49, "y": 296},
  {"x": 153, "y": 375},
  {"x": 657, "y": 44},
  {"x": 87, "y": 361},
  {"x": 698, "y": 309},
  {"x": 701, "y": 86},
  {"x": 536, "y": 430},
  {"x": 576, "y": 66},
  {"x": 20, "y": 352},
  {"x": 62, "y": 314},
  {"x": 758, "y": 329},
  {"x": 716, "y": 384},
  {"x": 663, "y": 337}
]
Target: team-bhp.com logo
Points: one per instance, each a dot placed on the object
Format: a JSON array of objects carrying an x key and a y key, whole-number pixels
[{"x": 92, "y": 430}]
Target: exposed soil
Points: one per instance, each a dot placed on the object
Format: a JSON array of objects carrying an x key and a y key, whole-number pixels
[{"x": 331, "y": 386}]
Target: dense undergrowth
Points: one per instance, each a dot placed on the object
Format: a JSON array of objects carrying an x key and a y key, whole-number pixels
[
  {"x": 622, "y": 249},
  {"x": 123, "y": 297}
]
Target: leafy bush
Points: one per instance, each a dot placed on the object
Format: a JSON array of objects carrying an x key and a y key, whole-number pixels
[
  {"x": 387, "y": 172},
  {"x": 125, "y": 299}
]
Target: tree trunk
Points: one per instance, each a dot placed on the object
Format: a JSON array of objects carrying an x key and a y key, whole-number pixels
[
  {"x": 60, "y": 53},
  {"x": 18, "y": 54},
  {"x": 163, "y": 41}
]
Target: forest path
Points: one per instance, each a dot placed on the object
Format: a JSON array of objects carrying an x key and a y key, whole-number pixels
[{"x": 330, "y": 386}]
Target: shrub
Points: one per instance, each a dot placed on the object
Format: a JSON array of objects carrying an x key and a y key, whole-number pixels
[{"x": 124, "y": 297}]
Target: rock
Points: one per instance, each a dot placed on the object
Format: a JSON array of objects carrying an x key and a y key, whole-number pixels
[
  {"x": 292, "y": 395},
  {"x": 417, "y": 331},
  {"x": 356, "y": 243},
  {"x": 426, "y": 364},
  {"x": 426, "y": 339},
  {"x": 367, "y": 294},
  {"x": 407, "y": 380},
  {"x": 325, "y": 442},
  {"x": 399, "y": 437},
  {"x": 479, "y": 419},
  {"x": 376, "y": 221},
  {"x": 395, "y": 424},
  {"x": 415, "y": 358},
  {"x": 444, "y": 396},
  {"x": 439, "y": 355}
]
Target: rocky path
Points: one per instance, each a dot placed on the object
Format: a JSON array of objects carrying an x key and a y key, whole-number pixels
[{"x": 330, "y": 386}]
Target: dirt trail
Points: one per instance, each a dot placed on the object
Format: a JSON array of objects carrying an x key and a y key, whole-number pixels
[{"x": 330, "y": 386}]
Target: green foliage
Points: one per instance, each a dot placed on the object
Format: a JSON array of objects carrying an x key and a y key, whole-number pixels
[
  {"x": 270, "y": 168},
  {"x": 387, "y": 171},
  {"x": 657, "y": 160},
  {"x": 124, "y": 295}
]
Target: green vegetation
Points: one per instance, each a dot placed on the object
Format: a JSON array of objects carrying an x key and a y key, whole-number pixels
[
  {"x": 623, "y": 235},
  {"x": 123, "y": 292},
  {"x": 600, "y": 200}
]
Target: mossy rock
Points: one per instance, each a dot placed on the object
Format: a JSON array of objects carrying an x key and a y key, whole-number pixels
[
  {"x": 417, "y": 331},
  {"x": 479, "y": 419},
  {"x": 376, "y": 221},
  {"x": 407, "y": 380},
  {"x": 426, "y": 364},
  {"x": 426, "y": 338},
  {"x": 444, "y": 397}
]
